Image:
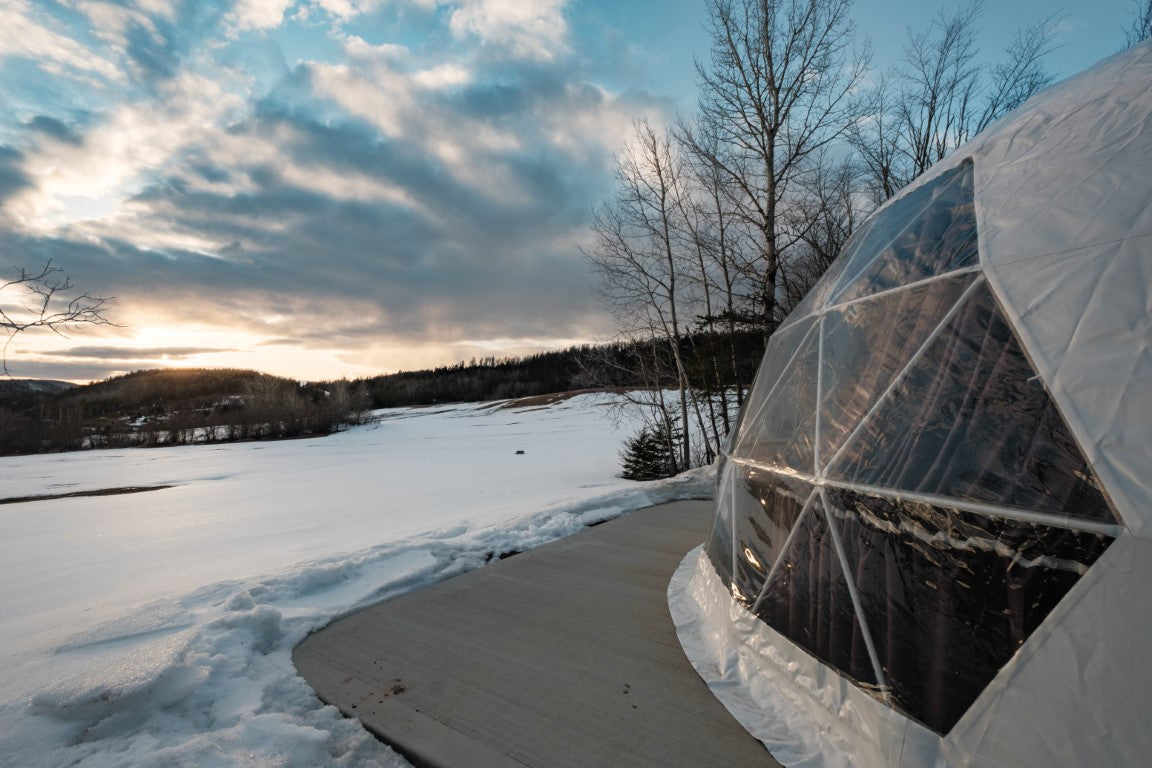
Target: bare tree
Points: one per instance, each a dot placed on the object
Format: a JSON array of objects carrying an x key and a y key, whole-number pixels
[
  {"x": 942, "y": 94},
  {"x": 636, "y": 252},
  {"x": 941, "y": 78},
  {"x": 825, "y": 216},
  {"x": 1141, "y": 27},
  {"x": 777, "y": 88},
  {"x": 1022, "y": 73},
  {"x": 876, "y": 139},
  {"x": 727, "y": 260},
  {"x": 40, "y": 298},
  {"x": 716, "y": 226}
]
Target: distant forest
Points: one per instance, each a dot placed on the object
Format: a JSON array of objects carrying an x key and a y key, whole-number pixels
[
  {"x": 185, "y": 406},
  {"x": 169, "y": 407},
  {"x": 601, "y": 366}
]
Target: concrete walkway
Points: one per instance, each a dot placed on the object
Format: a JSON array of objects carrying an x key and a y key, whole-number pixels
[{"x": 561, "y": 657}]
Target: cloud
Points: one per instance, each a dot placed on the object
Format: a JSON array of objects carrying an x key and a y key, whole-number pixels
[
  {"x": 532, "y": 30},
  {"x": 12, "y": 177},
  {"x": 30, "y": 368},
  {"x": 132, "y": 354},
  {"x": 259, "y": 14},
  {"x": 31, "y": 34},
  {"x": 383, "y": 197},
  {"x": 350, "y": 9},
  {"x": 54, "y": 129},
  {"x": 116, "y": 154}
]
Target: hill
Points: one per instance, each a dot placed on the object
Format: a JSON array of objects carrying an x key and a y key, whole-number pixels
[
  {"x": 172, "y": 406},
  {"x": 18, "y": 394}
]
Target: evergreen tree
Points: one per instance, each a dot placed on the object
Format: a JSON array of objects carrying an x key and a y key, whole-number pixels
[{"x": 648, "y": 455}]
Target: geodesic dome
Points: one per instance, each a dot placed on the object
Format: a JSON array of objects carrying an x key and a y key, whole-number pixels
[{"x": 932, "y": 534}]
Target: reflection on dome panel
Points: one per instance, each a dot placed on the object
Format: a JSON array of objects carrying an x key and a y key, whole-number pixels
[
  {"x": 949, "y": 596},
  {"x": 867, "y": 343},
  {"x": 971, "y": 420},
  {"x": 783, "y": 432},
  {"x": 808, "y": 602},
  {"x": 719, "y": 544},
  {"x": 930, "y": 233},
  {"x": 766, "y": 507}
]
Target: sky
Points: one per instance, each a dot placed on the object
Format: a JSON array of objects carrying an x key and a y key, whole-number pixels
[{"x": 331, "y": 188}]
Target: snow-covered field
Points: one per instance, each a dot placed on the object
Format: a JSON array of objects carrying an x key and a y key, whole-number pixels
[{"x": 156, "y": 628}]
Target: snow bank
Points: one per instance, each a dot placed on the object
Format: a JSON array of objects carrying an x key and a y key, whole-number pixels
[{"x": 177, "y": 650}]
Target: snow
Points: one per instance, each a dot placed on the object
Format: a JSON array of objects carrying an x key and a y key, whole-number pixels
[{"x": 156, "y": 628}]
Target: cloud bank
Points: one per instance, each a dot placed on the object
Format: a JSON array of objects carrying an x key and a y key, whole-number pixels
[{"x": 317, "y": 187}]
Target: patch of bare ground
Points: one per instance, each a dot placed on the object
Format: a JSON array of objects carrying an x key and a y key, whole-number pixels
[{"x": 97, "y": 492}]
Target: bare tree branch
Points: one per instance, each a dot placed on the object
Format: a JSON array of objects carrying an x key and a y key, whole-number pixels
[
  {"x": 39, "y": 298},
  {"x": 1023, "y": 73},
  {"x": 941, "y": 95},
  {"x": 1141, "y": 27}
]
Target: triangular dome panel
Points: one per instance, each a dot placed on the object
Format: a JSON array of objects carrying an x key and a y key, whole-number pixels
[
  {"x": 765, "y": 509},
  {"x": 782, "y": 347},
  {"x": 783, "y": 433},
  {"x": 809, "y": 602},
  {"x": 867, "y": 343},
  {"x": 720, "y": 540},
  {"x": 930, "y": 231},
  {"x": 950, "y": 596},
  {"x": 971, "y": 420}
]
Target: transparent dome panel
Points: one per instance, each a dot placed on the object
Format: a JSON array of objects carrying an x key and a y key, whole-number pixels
[
  {"x": 972, "y": 420},
  {"x": 808, "y": 602},
  {"x": 766, "y": 507},
  {"x": 950, "y": 596},
  {"x": 782, "y": 430},
  {"x": 868, "y": 343},
  {"x": 817, "y": 297},
  {"x": 718, "y": 547},
  {"x": 928, "y": 232},
  {"x": 783, "y": 345}
]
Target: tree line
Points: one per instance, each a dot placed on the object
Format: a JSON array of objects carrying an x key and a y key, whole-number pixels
[
  {"x": 176, "y": 407},
  {"x": 191, "y": 406},
  {"x": 587, "y": 366},
  {"x": 718, "y": 224}
]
